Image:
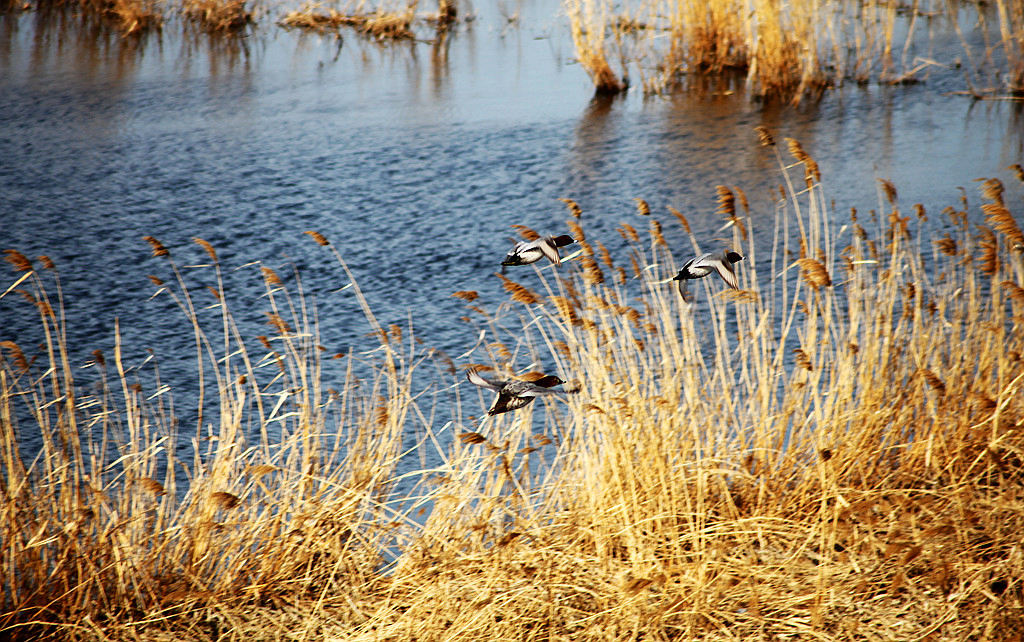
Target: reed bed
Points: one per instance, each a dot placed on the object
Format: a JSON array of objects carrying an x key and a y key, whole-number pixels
[
  {"x": 834, "y": 451},
  {"x": 790, "y": 49}
]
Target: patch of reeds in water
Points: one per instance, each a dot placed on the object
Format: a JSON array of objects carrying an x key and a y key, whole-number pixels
[
  {"x": 833, "y": 451},
  {"x": 793, "y": 48}
]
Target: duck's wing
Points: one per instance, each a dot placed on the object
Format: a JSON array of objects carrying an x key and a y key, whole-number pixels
[
  {"x": 549, "y": 250},
  {"x": 475, "y": 378},
  {"x": 684, "y": 291},
  {"x": 724, "y": 269},
  {"x": 506, "y": 402}
]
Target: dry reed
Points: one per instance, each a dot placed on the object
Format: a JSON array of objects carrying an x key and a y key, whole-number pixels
[{"x": 819, "y": 458}]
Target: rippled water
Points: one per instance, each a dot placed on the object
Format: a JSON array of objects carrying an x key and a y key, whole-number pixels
[{"x": 413, "y": 161}]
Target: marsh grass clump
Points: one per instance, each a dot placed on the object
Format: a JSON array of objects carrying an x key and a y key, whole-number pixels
[
  {"x": 383, "y": 23},
  {"x": 794, "y": 49},
  {"x": 219, "y": 16},
  {"x": 832, "y": 451}
]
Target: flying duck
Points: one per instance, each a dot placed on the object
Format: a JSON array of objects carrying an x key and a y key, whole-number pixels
[
  {"x": 526, "y": 252},
  {"x": 705, "y": 264},
  {"x": 514, "y": 393}
]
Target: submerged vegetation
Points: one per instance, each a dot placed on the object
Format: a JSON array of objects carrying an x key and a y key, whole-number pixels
[{"x": 835, "y": 449}]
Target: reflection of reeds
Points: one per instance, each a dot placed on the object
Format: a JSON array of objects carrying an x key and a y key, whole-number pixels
[{"x": 838, "y": 442}]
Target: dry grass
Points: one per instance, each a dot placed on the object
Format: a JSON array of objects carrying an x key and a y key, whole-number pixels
[
  {"x": 790, "y": 49},
  {"x": 834, "y": 452},
  {"x": 132, "y": 17},
  {"x": 382, "y": 23},
  {"x": 219, "y": 16}
]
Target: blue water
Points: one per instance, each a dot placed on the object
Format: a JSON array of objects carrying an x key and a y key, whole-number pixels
[{"x": 413, "y": 162}]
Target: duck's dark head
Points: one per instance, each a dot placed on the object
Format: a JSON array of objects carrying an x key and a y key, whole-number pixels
[
  {"x": 563, "y": 240},
  {"x": 548, "y": 381},
  {"x": 733, "y": 256}
]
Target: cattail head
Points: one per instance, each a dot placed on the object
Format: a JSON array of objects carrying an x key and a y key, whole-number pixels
[
  {"x": 318, "y": 237},
  {"x": 18, "y": 260},
  {"x": 642, "y": 208},
  {"x": 158, "y": 247},
  {"x": 574, "y": 207},
  {"x": 212, "y": 253},
  {"x": 97, "y": 356},
  {"x": 764, "y": 136}
]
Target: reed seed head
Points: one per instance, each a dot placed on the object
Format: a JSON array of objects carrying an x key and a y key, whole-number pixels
[
  {"x": 726, "y": 201},
  {"x": 642, "y": 208},
  {"x": 682, "y": 219},
  {"x": 47, "y": 262},
  {"x": 97, "y": 356},
  {"x": 151, "y": 486},
  {"x": 212, "y": 253},
  {"x": 814, "y": 273},
  {"x": 519, "y": 293},
  {"x": 1018, "y": 170},
  {"x": 933, "y": 381},
  {"x": 224, "y": 500},
  {"x": 158, "y": 247},
  {"x": 802, "y": 360},
  {"x": 591, "y": 271},
  {"x": 270, "y": 276},
  {"x": 16, "y": 355},
  {"x": 659, "y": 238},
  {"x": 1013, "y": 291},
  {"x": 889, "y": 189},
  {"x": 466, "y": 295},
  {"x": 318, "y": 237},
  {"x": 472, "y": 438},
  {"x": 526, "y": 233},
  {"x": 577, "y": 231},
  {"x": 1000, "y": 219},
  {"x": 18, "y": 260},
  {"x": 764, "y": 137},
  {"x": 574, "y": 207}
]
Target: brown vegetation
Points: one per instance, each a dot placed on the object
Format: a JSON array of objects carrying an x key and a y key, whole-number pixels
[{"x": 834, "y": 452}]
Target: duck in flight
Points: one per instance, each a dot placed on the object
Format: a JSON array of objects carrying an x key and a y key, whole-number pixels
[
  {"x": 705, "y": 264},
  {"x": 526, "y": 252},
  {"x": 514, "y": 393}
]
